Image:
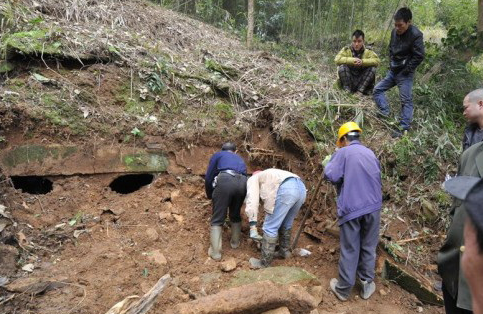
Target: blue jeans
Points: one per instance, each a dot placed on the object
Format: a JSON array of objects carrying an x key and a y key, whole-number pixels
[
  {"x": 290, "y": 197},
  {"x": 405, "y": 85}
]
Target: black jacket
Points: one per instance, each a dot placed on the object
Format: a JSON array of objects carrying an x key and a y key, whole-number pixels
[
  {"x": 470, "y": 137},
  {"x": 409, "y": 47}
]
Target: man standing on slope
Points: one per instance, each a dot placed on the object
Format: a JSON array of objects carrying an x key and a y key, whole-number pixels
[
  {"x": 355, "y": 171},
  {"x": 406, "y": 52},
  {"x": 357, "y": 66},
  {"x": 473, "y": 112},
  {"x": 225, "y": 183}
]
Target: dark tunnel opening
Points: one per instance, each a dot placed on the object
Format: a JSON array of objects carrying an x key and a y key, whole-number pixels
[
  {"x": 130, "y": 183},
  {"x": 32, "y": 184}
]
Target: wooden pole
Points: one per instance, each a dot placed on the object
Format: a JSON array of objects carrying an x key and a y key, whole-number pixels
[
  {"x": 251, "y": 23},
  {"x": 308, "y": 210}
]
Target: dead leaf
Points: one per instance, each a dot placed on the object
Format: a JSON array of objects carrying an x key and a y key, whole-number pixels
[{"x": 22, "y": 240}]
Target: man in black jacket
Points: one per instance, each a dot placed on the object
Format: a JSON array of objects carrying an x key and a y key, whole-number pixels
[
  {"x": 473, "y": 112},
  {"x": 406, "y": 51}
]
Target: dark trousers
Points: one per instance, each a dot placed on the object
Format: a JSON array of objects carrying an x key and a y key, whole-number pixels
[
  {"x": 405, "y": 84},
  {"x": 357, "y": 79},
  {"x": 450, "y": 304},
  {"x": 229, "y": 193},
  {"x": 358, "y": 242}
]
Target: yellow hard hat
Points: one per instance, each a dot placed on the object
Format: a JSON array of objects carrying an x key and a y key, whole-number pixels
[{"x": 346, "y": 128}]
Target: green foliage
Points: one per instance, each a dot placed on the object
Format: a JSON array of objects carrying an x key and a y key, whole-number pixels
[
  {"x": 461, "y": 37},
  {"x": 40, "y": 41},
  {"x": 76, "y": 219},
  {"x": 224, "y": 110}
]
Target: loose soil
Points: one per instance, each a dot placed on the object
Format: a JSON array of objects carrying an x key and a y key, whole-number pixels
[{"x": 123, "y": 234}]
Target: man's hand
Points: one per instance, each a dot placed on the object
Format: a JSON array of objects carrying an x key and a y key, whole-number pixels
[{"x": 358, "y": 62}]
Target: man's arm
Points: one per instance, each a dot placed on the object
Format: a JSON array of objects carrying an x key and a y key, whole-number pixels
[
  {"x": 334, "y": 171},
  {"x": 418, "y": 54},
  {"x": 210, "y": 175},
  {"x": 371, "y": 59},
  {"x": 252, "y": 198},
  {"x": 344, "y": 57}
]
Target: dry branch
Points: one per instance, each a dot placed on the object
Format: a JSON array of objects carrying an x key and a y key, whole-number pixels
[{"x": 144, "y": 304}]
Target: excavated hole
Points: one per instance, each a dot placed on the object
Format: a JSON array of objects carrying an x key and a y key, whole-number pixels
[
  {"x": 131, "y": 182},
  {"x": 32, "y": 184}
]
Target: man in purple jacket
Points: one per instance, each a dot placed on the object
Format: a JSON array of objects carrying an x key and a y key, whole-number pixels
[{"x": 355, "y": 171}]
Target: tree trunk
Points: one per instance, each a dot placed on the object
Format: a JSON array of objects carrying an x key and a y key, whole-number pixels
[
  {"x": 251, "y": 23},
  {"x": 480, "y": 23}
]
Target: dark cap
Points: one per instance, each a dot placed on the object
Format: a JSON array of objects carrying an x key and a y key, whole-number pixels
[
  {"x": 229, "y": 146},
  {"x": 470, "y": 190}
]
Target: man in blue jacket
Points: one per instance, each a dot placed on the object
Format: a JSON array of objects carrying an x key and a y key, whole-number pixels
[
  {"x": 406, "y": 52},
  {"x": 226, "y": 184},
  {"x": 355, "y": 171}
]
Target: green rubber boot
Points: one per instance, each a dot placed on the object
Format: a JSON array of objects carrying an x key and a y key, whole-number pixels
[
  {"x": 235, "y": 234},
  {"x": 215, "y": 243},
  {"x": 268, "y": 251}
]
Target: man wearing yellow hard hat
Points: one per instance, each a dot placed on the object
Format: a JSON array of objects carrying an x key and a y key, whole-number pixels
[{"x": 354, "y": 169}]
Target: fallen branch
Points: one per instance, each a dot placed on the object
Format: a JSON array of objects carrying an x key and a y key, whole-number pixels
[
  {"x": 144, "y": 304},
  {"x": 420, "y": 238}
]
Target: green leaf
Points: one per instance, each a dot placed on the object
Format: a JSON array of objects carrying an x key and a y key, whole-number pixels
[{"x": 145, "y": 272}]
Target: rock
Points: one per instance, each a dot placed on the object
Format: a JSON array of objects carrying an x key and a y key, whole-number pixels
[
  {"x": 152, "y": 234},
  {"x": 316, "y": 292},
  {"x": 175, "y": 210},
  {"x": 252, "y": 298},
  {"x": 382, "y": 292},
  {"x": 332, "y": 251},
  {"x": 8, "y": 260},
  {"x": 420, "y": 309},
  {"x": 178, "y": 218},
  {"x": 410, "y": 283},
  {"x": 166, "y": 216},
  {"x": 157, "y": 257},
  {"x": 28, "y": 267},
  {"x": 280, "y": 310},
  {"x": 166, "y": 207},
  {"x": 278, "y": 274},
  {"x": 175, "y": 195},
  {"x": 228, "y": 265}
]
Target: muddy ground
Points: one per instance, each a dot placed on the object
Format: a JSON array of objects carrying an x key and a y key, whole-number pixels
[{"x": 106, "y": 246}]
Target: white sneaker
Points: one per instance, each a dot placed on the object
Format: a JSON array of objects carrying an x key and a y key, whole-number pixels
[
  {"x": 333, "y": 284},
  {"x": 368, "y": 289}
]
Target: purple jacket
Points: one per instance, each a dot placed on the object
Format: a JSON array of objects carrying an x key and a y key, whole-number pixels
[{"x": 355, "y": 171}]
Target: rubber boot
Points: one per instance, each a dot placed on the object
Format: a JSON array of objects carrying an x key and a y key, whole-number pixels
[
  {"x": 285, "y": 236},
  {"x": 235, "y": 234},
  {"x": 268, "y": 251},
  {"x": 215, "y": 243}
]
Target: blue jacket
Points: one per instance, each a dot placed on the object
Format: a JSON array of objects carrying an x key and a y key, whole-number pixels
[
  {"x": 355, "y": 170},
  {"x": 223, "y": 160}
]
